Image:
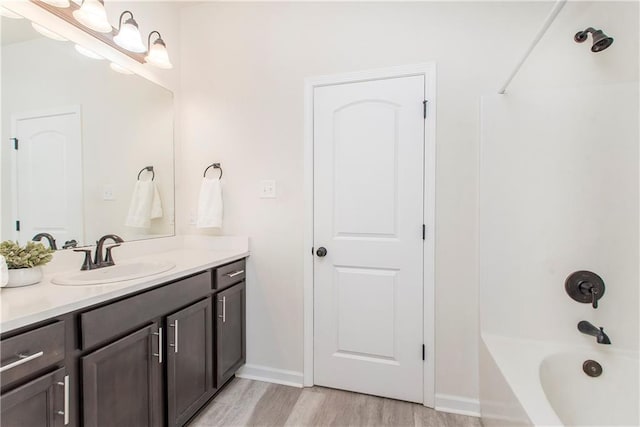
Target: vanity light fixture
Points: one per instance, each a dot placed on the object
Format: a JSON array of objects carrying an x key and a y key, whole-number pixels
[
  {"x": 47, "y": 32},
  {"x": 58, "y": 3},
  {"x": 88, "y": 53},
  {"x": 158, "y": 55},
  {"x": 128, "y": 36},
  {"x": 9, "y": 14},
  {"x": 120, "y": 69},
  {"x": 92, "y": 14}
]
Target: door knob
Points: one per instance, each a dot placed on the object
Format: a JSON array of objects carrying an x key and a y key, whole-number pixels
[{"x": 321, "y": 252}]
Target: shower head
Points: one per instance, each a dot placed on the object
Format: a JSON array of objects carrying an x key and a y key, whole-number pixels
[{"x": 600, "y": 40}]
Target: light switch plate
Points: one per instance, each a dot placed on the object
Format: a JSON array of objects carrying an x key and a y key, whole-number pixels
[
  {"x": 107, "y": 192},
  {"x": 268, "y": 189}
]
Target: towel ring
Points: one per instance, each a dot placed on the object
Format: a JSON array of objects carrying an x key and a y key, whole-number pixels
[
  {"x": 215, "y": 166},
  {"x": 149, "y": 169}
]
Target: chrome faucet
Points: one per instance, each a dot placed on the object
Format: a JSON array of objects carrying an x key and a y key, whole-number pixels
[
  {"x": 99, "y": 261},
  {"x": 49, "y": 237},
  {"x": 588, "y": 329}
]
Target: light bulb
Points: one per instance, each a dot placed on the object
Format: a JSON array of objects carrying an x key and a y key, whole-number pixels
[
  {"x": 92, "y": 14},
  {"x": 158, "y": 55},
  {"x": 128, "y": 36}
]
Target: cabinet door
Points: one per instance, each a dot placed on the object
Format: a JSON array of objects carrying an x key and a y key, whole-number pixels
[
  {"x": 41, "y": 402},
  {"x": 189, "y": 361},
  {"x": 121, "y": 382},
  {"x": 230, "y": 332}
]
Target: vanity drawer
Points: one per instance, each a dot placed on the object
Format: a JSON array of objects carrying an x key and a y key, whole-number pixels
[
  {"x": 110, "y": 321},
  {"x": 30, "y": 352},
  {"x": 230, "y": 274}
]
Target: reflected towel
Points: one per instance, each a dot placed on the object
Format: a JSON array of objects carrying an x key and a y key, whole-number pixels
[
  {"x": 210, "y": 204},
  {"x": 145, "y": 205},
  {"x": 156, "y": 205}
]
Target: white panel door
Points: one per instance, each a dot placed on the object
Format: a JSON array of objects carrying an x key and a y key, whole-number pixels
[
  {"x": 49, "y": 175},
  {"x": 368, "y": 215}
]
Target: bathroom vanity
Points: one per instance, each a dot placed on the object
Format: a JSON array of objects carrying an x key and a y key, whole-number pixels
[{"x": 153, "y": 355}]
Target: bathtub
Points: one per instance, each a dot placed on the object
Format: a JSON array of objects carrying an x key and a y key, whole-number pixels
[{"x": 535, "y": 383}]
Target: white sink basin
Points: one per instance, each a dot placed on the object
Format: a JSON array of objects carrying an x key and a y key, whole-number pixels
[{"x": 115, "y": 273}]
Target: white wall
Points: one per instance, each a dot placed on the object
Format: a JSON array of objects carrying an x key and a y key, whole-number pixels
[
  {"x": 559, "y": 193},
  {"x": 242, "y": 105},
  {"x": 559, "y": 183}
]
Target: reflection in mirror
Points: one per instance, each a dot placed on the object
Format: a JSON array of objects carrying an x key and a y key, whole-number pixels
[{"x": 83, "y": 134}]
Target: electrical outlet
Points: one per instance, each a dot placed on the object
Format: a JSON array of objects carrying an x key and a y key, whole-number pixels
[
  {"x": 107, "y": 192},
  {"x": 268, "y": 189}
]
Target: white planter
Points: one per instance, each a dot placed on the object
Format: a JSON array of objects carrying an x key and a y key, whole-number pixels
[{"x": 24, "y": 277}]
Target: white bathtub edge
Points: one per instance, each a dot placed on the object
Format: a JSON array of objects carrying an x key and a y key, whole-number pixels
[{"x": 517, "y": 362}]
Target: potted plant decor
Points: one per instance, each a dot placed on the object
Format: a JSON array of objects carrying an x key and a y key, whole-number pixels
[{"x": 24, "y": 263}]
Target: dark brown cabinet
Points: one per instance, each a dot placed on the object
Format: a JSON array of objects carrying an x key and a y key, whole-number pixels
[
  {"x": 122, "y": 382},
  {"x": 41, "y": 402},
  {"x": 189, "y": 361},
  {"x": 230, "y": 331},
  {"x": 151, "y": 358}
]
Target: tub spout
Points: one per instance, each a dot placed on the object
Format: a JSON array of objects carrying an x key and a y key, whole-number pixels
[{"x": 587, "y": 328}]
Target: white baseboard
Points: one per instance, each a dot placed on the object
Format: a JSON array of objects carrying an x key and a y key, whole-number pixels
[
  {"x": 444, "y": 402},
  {"x": 271, "y": 375},
  {"x": 457, "y": 405}
]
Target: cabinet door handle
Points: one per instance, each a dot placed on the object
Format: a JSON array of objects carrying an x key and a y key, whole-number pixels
[
  {"x": 159, "y": 353},
  {"x": 22, "y": 358},
  {"x": 65, "y": 412},
  {"x": 235, "y": 273},
  {"x": 175, "y": 336},
  {"x": 224, "y": 309}
]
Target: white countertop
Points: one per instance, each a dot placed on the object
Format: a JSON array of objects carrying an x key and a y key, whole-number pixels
[{"x": 31, "y": 304}]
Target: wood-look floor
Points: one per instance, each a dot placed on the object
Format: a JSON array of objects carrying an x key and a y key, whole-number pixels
[{"x": 255, "y": 403}]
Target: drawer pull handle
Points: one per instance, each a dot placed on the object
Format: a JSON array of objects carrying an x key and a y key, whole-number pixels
[
  {"x": 22, "y": 358},
  {"x": 224, "y": 309},
  {"x": 234, "y": 274},
  {"x": 175, "y": 336},
  {"x": 66, "y": 399},
  {"x": 159, "y": 353}
]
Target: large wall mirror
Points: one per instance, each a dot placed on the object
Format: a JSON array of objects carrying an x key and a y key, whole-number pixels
[{"x": 86, "y": 136}]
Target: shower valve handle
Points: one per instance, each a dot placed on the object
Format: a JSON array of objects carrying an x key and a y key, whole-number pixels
[
  {"x": 594, "y": 297},
  {"x": 585, "y": 287}
]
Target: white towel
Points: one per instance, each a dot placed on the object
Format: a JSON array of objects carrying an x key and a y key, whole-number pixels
[
  {"x": 145, "y": 205},
  {"x": 210, "y": 204}
]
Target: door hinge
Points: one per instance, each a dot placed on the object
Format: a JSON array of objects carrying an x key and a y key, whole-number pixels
[
  {"x": 424, "y": 232},
  {"x": 17, "y": 225},
  {"x": 424, "y": 350},
  {"x": 15, "y": 143},
  {"x": 424, "y": 108},
  {"x": 311, "y": 250}
]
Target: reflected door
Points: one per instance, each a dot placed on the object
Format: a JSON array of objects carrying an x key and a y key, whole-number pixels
[
  {"x": 48, "y": 175},
  {"x": 368, "y": 215}
]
